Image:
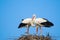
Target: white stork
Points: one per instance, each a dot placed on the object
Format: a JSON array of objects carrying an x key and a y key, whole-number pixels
[
  {"x": 42, "y": 22},
  {"x": 27, "y": 22}
]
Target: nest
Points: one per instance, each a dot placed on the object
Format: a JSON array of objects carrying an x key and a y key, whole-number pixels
[{"x": 34, "y": 37}]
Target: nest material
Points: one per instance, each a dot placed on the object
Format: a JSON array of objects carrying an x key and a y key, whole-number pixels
[{"x": 34, "y": 37}]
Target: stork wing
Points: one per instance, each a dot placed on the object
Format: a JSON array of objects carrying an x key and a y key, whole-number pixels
[
  {"x": 27, "y": 20},
  {"x": 40, "y": 20}
]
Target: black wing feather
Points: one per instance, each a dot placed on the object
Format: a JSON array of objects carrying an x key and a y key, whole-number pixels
[{"x": 22, "y": 25}]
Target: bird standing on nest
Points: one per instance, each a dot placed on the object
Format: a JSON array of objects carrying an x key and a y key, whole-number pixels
[
  {"x": 27, "y": 23},
  {"x": 42, "y": 22}
]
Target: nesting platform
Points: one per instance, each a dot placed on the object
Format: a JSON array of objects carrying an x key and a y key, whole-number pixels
[{"x": 35, "y": 37}]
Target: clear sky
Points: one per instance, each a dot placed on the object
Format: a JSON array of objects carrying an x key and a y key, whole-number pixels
[{"x": 12, "y": 11}]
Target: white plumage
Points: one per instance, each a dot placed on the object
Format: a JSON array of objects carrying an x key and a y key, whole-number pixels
[
  {"x": 27, "y": 20},
  {"x": 40, "y": 20}
]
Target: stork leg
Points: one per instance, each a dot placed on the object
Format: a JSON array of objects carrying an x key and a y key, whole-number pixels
[
  {"x": 27, "y": 29},
  {"x": 36, "y": 30},
  {"x": 40, "y": 30}
]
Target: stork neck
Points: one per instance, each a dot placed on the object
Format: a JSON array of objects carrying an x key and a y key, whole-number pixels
[{"x": 33, "y": 18}]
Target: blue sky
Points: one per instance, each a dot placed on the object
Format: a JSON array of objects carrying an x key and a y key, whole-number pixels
[{"x": 12, "y": 11}]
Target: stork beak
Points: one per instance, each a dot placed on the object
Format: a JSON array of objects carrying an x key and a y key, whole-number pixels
[{"x": 32, "y": 18}]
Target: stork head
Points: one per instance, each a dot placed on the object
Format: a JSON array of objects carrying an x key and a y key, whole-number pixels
[{"x": 34, "y": 17}]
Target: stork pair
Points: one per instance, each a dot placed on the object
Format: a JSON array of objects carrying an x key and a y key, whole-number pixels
[{"x": 38, "y": 22}]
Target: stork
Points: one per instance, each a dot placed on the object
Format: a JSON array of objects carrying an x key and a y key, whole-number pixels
[
  {"x": 27, "y": 23},
  {"x": 42, "y": 22}
]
